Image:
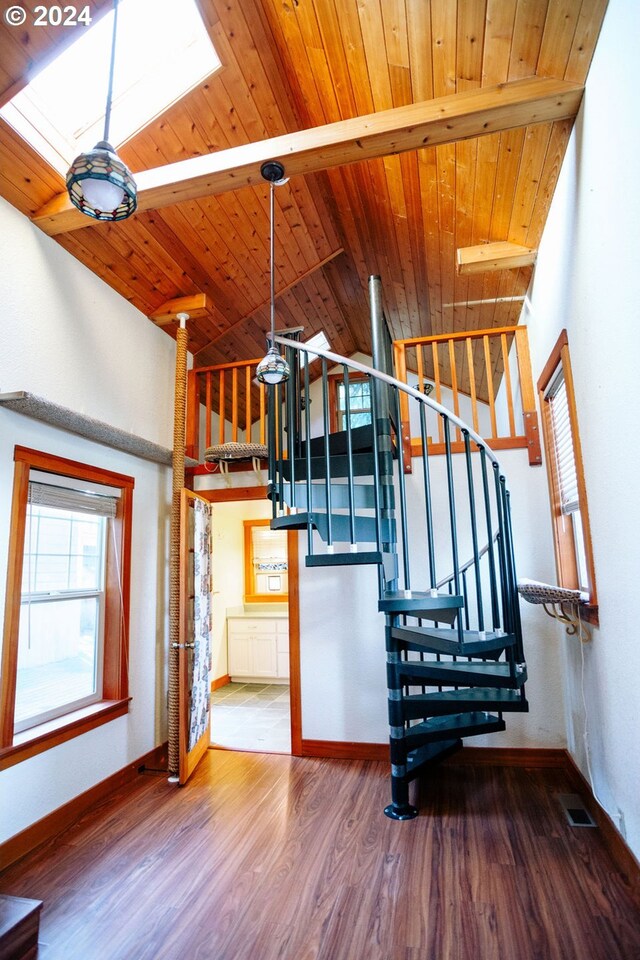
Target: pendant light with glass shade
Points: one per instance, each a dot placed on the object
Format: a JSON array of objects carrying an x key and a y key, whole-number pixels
[
  {"x": 273, "y": 368},
  {"x": 99, "y": 183}
]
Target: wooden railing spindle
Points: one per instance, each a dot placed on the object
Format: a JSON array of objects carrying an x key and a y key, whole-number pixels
[
  {"x": 208, "y": 411},
  {"x": 472, "y": 387},
  {"x": 490, "y": 393},
  {"x": 234, "y": 404},
  {"x": 507, "y": 383},
  {"x": 221, "y": 407},
  {"x": 454, "y": 385},
  {"x": 247, "y": 404}
]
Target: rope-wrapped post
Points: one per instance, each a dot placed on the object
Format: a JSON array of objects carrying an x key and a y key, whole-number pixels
[{"x": 179, "y": 436}]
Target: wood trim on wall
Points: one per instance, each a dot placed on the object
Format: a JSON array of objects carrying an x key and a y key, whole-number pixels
[
  {"x": 618, "y": 849},
  {"x": 510, "y": 757},
  {"x": 58, "y": 820},
  {"x": 260, "y": 493},
  {"x": 345, "y": 750},
  {"x": 220, "y": 682}
]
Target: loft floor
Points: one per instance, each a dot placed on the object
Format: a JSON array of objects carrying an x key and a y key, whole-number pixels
[{"x": 263, "y": 856}]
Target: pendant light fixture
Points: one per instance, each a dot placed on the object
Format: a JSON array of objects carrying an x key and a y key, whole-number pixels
[
  {"x": 273, "y": 368},
  {"x": 98, "y": 182}
]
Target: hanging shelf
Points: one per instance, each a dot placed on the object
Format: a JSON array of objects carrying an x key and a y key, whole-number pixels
[{"x": 30, "y": 405}]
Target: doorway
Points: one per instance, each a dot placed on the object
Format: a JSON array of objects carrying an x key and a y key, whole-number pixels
[{"x": 255, "y": 700}]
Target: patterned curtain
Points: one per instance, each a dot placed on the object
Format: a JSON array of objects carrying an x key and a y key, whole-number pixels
[{"x": 200, "y": 692}]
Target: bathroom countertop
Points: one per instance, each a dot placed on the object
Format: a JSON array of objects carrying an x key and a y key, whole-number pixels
[{"x": 270, "y": 610}]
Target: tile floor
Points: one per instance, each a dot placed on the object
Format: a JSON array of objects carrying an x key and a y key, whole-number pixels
[{"x": 251, "y": 716}]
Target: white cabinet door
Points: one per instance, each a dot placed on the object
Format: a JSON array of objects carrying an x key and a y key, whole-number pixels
[
  {"x": 240, "y": 651},
  {"x": 265, "y": 658},
  {"x": 255, "y": 647}
]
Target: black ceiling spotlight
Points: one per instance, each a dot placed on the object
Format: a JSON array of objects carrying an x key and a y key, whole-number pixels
[{"x": 273, "y": 368}]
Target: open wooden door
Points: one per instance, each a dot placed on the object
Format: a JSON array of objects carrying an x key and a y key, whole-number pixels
[{"x": 194, "y": 659}]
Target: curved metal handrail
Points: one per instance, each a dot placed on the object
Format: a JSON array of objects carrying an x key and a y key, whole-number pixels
[
  {"x": 385, "y": 378},
  {"x": 469, "y": 563}
]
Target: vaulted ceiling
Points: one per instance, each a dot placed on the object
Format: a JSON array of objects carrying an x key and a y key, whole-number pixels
[{"x": 477, "y": 167}]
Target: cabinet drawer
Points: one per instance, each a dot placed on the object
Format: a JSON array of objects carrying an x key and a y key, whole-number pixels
[{"x": 245, "y": 626}]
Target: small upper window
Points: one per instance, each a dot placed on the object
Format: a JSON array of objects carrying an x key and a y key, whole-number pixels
[
  {"x": 163, "y": 50},
  {"x": 359, "y": 401},
  {"x": 574, "y": 559}
]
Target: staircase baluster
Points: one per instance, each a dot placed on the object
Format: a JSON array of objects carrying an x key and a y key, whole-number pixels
[
  {"x": 452, "y": 518},
  {"x": 402, "y": 491},
  {"x": 465, "y": 595},
  {"x": 327, "y": 457},
  {"x": 506, "y": 613},
  {"x": 279, "y": 413},
  {"x": 271, "y": 450},
  {"x": 347, "y": 412},
  {"x": 291, "y": 400},
  {"x": 427, "y": 495},
  {"x": 495, "y": 610},
  {"x": 517, "y": 625},
  {"x": 376, "y": 466},
  {"x": 307, "y": 446},
  {"x": 474, "y": 528}
]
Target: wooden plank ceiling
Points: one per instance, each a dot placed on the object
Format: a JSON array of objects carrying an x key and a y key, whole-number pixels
[{"x": 291, "y": 65}]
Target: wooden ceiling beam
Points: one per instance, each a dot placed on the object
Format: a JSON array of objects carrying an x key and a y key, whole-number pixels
[
  {"x": 500, "y": 255},
  {"x": 460, "y": 116}
]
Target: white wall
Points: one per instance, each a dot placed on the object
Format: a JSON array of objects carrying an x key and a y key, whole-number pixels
[
  {"x": 587, "y": 280},
  {"x": 66, "y": 336}
]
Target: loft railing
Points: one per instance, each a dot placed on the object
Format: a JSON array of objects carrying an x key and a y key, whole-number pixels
[
  {"x": 450, "y": 509},
  {"x": 225, "y": 403},
  {"x": 499, "y": 401}
]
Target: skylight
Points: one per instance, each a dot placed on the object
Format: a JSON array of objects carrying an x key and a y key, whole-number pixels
[
  {"x": 318, "y": 340},
  {"x": 163, "y": 50}
]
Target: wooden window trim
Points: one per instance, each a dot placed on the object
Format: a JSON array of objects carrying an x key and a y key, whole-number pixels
[
  {"x": 115, "y": 698},
  {"x": 250, "y": 596},
  {"x": 562, "y": 535},
  {"x": 334, "y": 379}
]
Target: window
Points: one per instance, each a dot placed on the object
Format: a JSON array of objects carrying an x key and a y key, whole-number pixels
[
  {"x": 359, "y": 401},
  {"x": 160, "y": 57},
  {"x": 265, "y": 563},
  {"x": 66, "y": 616},
  {"x": 572, "y": 538}
]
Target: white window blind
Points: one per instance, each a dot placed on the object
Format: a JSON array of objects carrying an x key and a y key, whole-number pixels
[
  {"x": 563, "y": 444},
  {"x": 65, "y": 498}
]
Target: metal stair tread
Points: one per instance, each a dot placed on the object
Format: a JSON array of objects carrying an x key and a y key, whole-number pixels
[
  {"x": 344, "y": 558},
  {"x": 362, "y": 466},
  {"x": 443, "y": 607},
  {"x": 364, "y": 527},
  {"x": 363, "y": 495},
  {"x": 461, "y": 724},
  {"x": 446, "y": 702},
  {"x": 446, "y": 640},
  {"x": 458, "y": 672}
]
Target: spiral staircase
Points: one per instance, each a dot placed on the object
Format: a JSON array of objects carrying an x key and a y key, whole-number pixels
[{"x": 455, "y": 661}]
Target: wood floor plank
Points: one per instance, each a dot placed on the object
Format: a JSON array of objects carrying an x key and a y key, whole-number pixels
[{"x": 288, "y": 858}]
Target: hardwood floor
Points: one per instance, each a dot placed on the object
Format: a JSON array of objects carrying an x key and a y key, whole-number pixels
[{"x": 264, "y": 856}]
